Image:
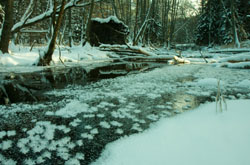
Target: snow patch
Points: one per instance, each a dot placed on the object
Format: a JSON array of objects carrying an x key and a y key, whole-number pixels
[
  {"x": 71, "y": 110},
  {"x": 199, "y": 137}
]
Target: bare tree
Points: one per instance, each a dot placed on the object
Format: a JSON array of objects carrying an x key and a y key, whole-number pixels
[
  {"x": 89, "y": 21},
  {"x": 165, "y": 12},
  {"x": 70, "y": 27},
  {"x": 174, "y": 9},
  {"x": 144, "y": 25},
  {"x": 46, "y": 58},
  {"x": 136, "y": 21},
  {"x": 234, "y": 28},
  {"x": 8, "y": 21}
]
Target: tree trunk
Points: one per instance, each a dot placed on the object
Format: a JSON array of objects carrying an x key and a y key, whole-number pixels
[
  {"x": 47, "y": 57},
  {"x": 175, "y": 6},
  {"x": 136, "y": 20},
  {"x": 7, "y": 25},
  {"x": 70, "y": 28},
  {"x": 89, "y": 21},
  {"x": 166, "y": 9},
  {"x": 115, "y": 9},
  {"x": 234, "y": 28}
]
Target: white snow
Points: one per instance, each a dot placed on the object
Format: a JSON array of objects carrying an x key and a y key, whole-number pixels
[
  {"x": 94, "y": 131},
  {"x": 108, "y": 19},
  {"x": 11, "y": 133},
  {"x": 208, "y": 82},
  {"x": 21, "y": 55},
  {"x": 241, "y": 57},
  {"x": 239, "y": 65},
  {"x": 5, "y": 145},
  {"x": 67, "y": 112},
  {"x": 75, "y": 123},
  {"x": 105, "y": 124},
  {"x": 198, "y": 137},
  {"x": 119, "y": 131},
  {"x": 244, "y": 83},
  {"x": 2, "y": 134}
]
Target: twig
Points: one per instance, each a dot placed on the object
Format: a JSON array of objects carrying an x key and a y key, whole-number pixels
[
  {"x": 219, "y": 99},
  {"x": 203, "y": 57},
  {"x": 33, "y": 44},
  {"x": 60, "y": 54}
]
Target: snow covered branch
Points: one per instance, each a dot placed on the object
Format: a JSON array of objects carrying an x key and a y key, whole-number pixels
[
  {"x": 26, "y": 15},
  {"x": 28, "y": 11},
  {"x": 78, "y": 5},
  {"x": 47, "y": 14},
  {"x": 143, "y": 25}
]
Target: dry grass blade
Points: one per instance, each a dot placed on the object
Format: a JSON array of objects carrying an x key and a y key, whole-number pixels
[{"x": 220, "y": 99}]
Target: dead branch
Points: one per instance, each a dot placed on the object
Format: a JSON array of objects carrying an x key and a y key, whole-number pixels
[
  {"x": 233, "y": 51},
  {"x": 121, "y": 48},
  {"x": 60, "y": 55},
  {"x": 33, "y": 44},
  {"x": 148, "y": 59},
  {"x": 203, "y": 57}
]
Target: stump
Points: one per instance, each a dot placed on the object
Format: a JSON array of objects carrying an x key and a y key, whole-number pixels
[{"x": 108, "y": 31}]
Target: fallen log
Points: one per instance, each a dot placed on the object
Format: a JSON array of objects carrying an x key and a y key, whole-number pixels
[
  {"x": 127, "y": 48},
  {"x": 236, "y": 59},
  {"x": 30, "y": 86},
  {"x": 231, "y": 51},
  {"x": 160, "y": 59}
]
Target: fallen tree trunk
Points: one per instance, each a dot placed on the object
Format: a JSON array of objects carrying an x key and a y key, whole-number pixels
[
  {"x": 231, "y": 51},
  {"x": 160, "y": 59},
  {"x": 30, "y": 86},
  {"x": 127, "y": 48}
]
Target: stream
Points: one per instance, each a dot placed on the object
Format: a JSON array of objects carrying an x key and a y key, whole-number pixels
[{"x": 80, "y": 120}]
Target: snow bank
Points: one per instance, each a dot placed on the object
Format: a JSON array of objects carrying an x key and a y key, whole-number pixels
[
  {"x": 208, "y": 82},
  {"x": 199, "y": 137},
  {"x": 239, "y": 65},
  {"x": 244, "y": 84},
  {"x": 237, "y": 58},
  {"x": 23, "y": 57}
]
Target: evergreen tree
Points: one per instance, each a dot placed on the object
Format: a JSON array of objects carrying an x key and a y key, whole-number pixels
[
  {"x": 217, "y": 25},
  {"x": 214, "y": 23}
]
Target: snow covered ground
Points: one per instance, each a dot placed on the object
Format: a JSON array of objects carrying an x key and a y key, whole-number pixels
[
  {"x": 22, "y": 56},
  {"x": 197, "y": 137}
]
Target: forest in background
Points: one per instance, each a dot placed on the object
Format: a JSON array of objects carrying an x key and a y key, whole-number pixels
[{"x": 151, "y": 22}]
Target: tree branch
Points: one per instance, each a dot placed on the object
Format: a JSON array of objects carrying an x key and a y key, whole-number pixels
[{"x": 73, "y": 3}]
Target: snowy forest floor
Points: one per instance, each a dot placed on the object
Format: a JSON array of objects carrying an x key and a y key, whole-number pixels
[{"x": 76, "y": 128}]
